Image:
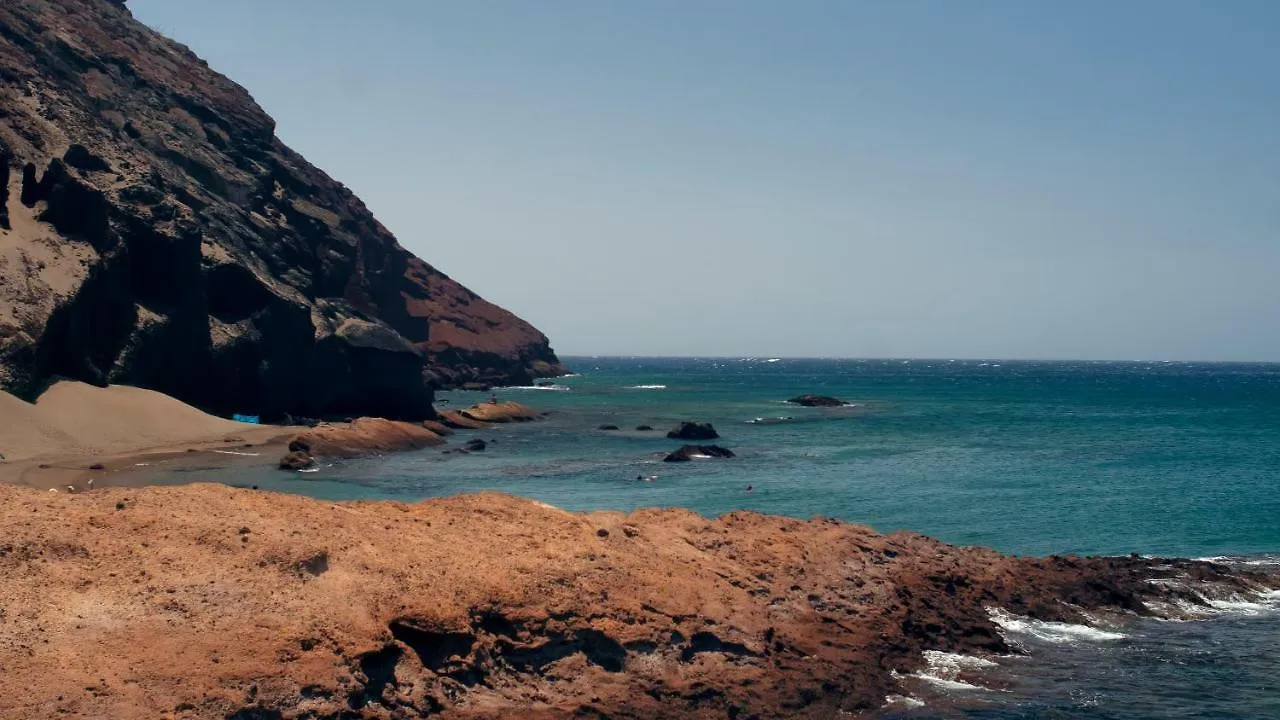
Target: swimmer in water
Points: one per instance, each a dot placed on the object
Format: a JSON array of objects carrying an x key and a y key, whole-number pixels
[{"x": 750, "y": 488}]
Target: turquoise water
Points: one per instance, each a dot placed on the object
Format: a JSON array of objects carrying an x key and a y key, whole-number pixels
[{"x": 1026, "y": 457}]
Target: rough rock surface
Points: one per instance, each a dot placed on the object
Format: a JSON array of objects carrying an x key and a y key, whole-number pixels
[
  {"x": 456, "y": 420},
  {"x": 206, "y": 601},
  {"x": 363, "y": 436},
  {"x": 690, "y": 452},
  {"x": 155, "y": 232},
  {"x": 503, "y": 412},
  {"x": 811, "y": 400},
  {"x": 693, "y": 431}
]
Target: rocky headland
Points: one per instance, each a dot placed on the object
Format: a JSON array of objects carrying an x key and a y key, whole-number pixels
[
  {"x": 155, "y": 232},
  {"x": 205, "y": 601}
]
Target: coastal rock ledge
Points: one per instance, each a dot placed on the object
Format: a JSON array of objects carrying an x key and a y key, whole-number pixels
[
  {"x": 205, "y": 601},
  {"x": 155, "y": 232}
]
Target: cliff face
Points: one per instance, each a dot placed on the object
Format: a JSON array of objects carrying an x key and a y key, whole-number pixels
[{"x": 155, "y": 232}]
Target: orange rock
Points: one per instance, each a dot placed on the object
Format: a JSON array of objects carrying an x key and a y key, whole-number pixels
[
  {"x": 127, "y": 603},
  {"x": 503, "y": 412},
  {"x": 364, "y": 436},
  {"x": 437, "y": 427},
  {"x": 458, "y": 421}
]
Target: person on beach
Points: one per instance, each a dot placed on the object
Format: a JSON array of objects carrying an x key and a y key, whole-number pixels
[{"x": 493, "y": 399}]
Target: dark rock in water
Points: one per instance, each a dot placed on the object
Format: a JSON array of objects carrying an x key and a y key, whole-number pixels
[
  {"x": 607, "y": 427},
  {"x": 689, "y": 452},
  {"x": 97, "y": 466},
  {"x": 644, "y": 428},
  {"x": 694, "y": 431},
  {"x": 299, "y": 445},
  {"x": 196, "y": 254},
  {"x": 475, "y": 445},
  {"x": 296, "y": 460},
  {"x": 811, "y": 400}
]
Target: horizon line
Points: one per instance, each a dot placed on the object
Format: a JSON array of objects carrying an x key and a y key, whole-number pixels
[{"x": 871, "y": 358}]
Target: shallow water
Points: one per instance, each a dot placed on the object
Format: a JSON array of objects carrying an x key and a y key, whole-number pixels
[{"x": 1026, "y": 457}]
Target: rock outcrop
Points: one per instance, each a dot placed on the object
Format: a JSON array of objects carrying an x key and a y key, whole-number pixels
[
  {"x": 363, "y": 436},
  {"x": 693, "y": 431},
  {"x": 155, "y": 232},
  {"x": 502, "y": 412},
  {"x": 208, "y": 602},
  {"x": 811, "y": 400}
]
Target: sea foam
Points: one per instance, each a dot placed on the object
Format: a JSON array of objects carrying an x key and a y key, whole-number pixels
[{"x": 1047, "y": 631}]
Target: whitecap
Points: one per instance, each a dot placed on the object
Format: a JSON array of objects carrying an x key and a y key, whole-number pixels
[
  {"x": 233, "y": 452},
  {"x": 310, "y": 470},
  {"x": 773, "y": 360},
  {"x": 943, "y": 670},
  {"x": 555, "y": 388},
  {"x": 646, "y": 387},
  {"x": 1053, "y": 632},
  {"x": 903, "y": 700}
]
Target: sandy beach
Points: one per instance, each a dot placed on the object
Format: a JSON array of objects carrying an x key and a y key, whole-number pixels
[{"x": 73, "y": 427}]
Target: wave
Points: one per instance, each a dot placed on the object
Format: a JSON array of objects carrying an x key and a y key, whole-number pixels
[
  {"x": 944, "y": 670},
  {"x": 646, "y": 387},
  {"x": 770, "y": 420},
  {"x": 556, "y": 388},
  {"x": 1249, "y": 561},
  {"x": 233, "y": 452},
  {"x": 1047, "y": 631},
  {"x": 903, "y": 700}
]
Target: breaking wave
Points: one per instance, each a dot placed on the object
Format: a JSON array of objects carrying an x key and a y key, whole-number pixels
[{"x": 1047, "y": 631}]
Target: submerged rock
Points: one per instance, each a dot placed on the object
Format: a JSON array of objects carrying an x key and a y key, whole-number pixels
[
  {"x": 689, "y": 452},
  {"x": 811, "y": 400},
  {"x": 475, "y": 445}
]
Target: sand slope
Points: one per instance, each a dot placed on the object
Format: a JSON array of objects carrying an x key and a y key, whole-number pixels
[{"x": 73, "y": 418}]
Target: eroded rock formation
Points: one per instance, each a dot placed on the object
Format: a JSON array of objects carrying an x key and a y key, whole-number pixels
[
  {"x": 154, "y": 231},
  {"x": 205, "y": 601}
]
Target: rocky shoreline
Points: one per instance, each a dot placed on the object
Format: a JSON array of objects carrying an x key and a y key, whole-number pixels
[{"x": 206, "y": 601}]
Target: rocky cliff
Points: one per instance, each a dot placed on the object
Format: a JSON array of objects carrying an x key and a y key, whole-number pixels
[{"x": 155, "y": 232}]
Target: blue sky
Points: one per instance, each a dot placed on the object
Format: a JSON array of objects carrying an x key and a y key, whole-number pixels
[{"x": 920, "y": 178}]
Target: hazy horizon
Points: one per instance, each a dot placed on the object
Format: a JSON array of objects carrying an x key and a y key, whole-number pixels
[{"x": 985, "y": 180}]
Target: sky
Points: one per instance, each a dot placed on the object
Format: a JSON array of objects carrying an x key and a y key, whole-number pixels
[{"x": 915, "y": 178}]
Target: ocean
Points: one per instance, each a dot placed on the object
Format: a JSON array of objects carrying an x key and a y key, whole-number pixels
[{"x": 1157, "y": 458}]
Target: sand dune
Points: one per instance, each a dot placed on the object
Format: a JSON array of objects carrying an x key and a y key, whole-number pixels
[{"x": 73, "y": 418}]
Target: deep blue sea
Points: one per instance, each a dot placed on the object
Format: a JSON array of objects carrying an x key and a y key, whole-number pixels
[{"x": 1160, "y": 458}]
